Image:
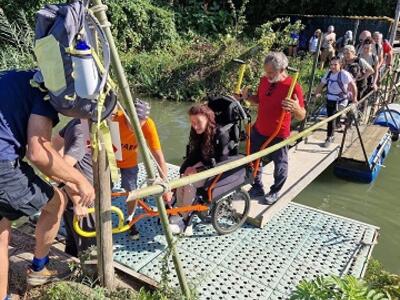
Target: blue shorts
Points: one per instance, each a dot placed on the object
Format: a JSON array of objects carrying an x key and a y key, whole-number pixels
[
  {"x": 129, "y": 177},
  {"x": 22, "y": 192}
]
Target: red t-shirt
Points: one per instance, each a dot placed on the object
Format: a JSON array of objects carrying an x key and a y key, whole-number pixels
[
  {"x": 386, "y": 47},
  {"x": 270, "y": 96}
]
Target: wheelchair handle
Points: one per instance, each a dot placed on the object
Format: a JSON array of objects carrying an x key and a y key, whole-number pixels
[{"x": 89, "y": 234}]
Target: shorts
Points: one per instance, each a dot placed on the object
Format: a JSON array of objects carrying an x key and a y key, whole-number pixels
[
  {"x": 22, "y": 192},
  {"x": 129, "y": 177}
]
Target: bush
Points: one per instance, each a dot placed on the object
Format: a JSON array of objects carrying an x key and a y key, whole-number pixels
[
  {"x": 334, "y": 287},
  {"x": 140, "y": 25},
  {"x": 381, "y": 280},
  {"x": 16, "y": 42}
]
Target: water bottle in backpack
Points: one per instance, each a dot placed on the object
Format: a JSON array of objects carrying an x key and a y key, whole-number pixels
[{"x": 85, "y": 73}]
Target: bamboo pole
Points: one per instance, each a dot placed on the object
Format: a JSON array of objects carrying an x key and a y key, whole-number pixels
[
  {"x": 157, "y": 189},
  {"x": 100, "y": 11},
  {"x": 101, "y": 177}
]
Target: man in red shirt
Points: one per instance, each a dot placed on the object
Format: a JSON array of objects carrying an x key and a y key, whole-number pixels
[{"x": 271, "y": 101}]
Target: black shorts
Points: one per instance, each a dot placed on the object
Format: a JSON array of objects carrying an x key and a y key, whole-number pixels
[{"x": 22, "y": 192}]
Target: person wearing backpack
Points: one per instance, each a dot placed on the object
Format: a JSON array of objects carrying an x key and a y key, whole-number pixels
[
  {"x": 26, "y": 122},
  {"x": 358, "y": 68},
  {"x": 347, "y": 39},
  {"x": 340, "y": 89},
  {"x": 373, "y": 60}
]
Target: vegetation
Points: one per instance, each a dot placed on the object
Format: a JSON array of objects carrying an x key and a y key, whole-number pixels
[{"x": 377, "y": 285}]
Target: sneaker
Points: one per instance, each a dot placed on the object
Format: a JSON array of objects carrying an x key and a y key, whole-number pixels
[
  {"x": 271, "y": 198},
  {"x": 256, "y": 191},
  {"x": 134, "y": 234},
  {"x": 177, "y": 225},
  {"x": 188, "y": 230},
  {"x": 41, "y": 277},
  {"x": 329, "y": 140}
]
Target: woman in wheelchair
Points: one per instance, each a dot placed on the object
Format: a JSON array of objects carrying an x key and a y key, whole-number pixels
[
  {"x": 203, "y": 152},
  {"x": 214, "y": 139}
]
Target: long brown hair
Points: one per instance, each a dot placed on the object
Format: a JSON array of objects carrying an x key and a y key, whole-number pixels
[{"x": 205, "y": 141}]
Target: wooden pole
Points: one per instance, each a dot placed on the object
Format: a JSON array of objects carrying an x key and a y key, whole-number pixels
[
  {"x": 102, "y": 185},
  {"x": 100, "y": 11},
  {"x": 395, "y": 25}
]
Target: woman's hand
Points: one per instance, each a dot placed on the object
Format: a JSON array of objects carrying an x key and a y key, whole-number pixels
[{"x": 190, "y": 171}]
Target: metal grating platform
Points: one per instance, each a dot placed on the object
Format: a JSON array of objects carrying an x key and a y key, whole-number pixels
[{"x": 252, "y": 263}]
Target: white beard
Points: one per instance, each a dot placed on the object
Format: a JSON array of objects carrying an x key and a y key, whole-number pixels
[{"x": 277, "y": 78}]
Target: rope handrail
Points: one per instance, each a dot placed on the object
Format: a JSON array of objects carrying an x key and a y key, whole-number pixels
[{"x": 158, "y": 189}]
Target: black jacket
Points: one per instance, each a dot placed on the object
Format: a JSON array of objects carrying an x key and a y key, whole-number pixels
[{"x": 221, "y": 152}]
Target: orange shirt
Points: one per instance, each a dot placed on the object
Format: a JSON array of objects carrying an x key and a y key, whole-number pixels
[{"x": 129, "y": 143}]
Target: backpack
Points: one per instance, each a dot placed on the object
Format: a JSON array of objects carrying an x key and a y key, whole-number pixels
[
  {"x": 70, "y": 70},
  {"x": 343, "y": 94},
  {"x": 229, "y": 116}
]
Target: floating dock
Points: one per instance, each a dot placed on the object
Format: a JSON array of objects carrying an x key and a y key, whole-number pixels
[
  {"x": 353, "y": 164},
  {"x": 297, "y": 243},
  {"x": 307, "y": 160}
]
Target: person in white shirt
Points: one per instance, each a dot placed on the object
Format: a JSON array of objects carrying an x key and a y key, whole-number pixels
[
  {"x": 340, "y": 88},
  {"x": 313, "y": 43}
]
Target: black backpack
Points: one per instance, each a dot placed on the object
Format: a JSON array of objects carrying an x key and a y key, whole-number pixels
[{"x": 229, "y": 116}]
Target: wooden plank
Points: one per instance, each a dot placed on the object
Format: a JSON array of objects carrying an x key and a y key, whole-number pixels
[
  {"x": 371, "y": 138},
  {"x": 307, "y": 160}
]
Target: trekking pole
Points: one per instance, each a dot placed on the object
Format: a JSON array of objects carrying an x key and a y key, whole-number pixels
[
  {"x": 280, "y": 122},
  {"x": 99, "y": 9}
]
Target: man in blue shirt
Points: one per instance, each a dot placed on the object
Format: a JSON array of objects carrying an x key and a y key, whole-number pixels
[{"x": 26, "y": 122}]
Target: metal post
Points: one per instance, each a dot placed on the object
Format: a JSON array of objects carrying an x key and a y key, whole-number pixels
[
  {"x": 100, "y": 11},
  {"x": 355, "y": 31},
  {"x": 101, "y": 177},
  {"x": 395, "y": 25},
  {"x": 309, "y": 95}
]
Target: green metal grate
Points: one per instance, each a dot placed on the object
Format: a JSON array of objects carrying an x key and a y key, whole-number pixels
[{"x": 253, "y": 263}]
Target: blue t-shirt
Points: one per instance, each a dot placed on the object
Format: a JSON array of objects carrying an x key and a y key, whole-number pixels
[{"x": 19, "y": 100}]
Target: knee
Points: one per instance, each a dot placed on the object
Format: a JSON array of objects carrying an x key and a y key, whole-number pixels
[
  {"x": 5, "y": 234},
  {"x": 56, "y": 206}
]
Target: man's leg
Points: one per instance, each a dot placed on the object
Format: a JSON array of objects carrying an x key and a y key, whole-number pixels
[
  {"x": 280, "y": 159},
  {"x": 5, "y": 234},
  {"x": 49, "y": 223},
  {"x": 256, "y": 142}
]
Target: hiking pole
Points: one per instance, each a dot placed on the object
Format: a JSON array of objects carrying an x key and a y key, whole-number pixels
[
  {"x": 99, "y": 9},
  {"x": 281, "y": 118}
]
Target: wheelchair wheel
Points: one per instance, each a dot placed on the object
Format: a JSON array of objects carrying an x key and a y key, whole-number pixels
[{"x": 230, "y": 212}]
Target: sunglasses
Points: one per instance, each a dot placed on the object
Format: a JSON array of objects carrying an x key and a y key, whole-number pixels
[{"x": 271, "y": 88}]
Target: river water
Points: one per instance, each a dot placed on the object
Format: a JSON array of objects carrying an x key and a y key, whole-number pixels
[{"x": 377, "y": 203}]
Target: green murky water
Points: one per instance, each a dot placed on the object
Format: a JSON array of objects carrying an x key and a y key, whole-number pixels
[{"x": 377, "y": 204}]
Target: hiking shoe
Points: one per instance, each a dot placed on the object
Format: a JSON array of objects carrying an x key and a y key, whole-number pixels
[
  {"x": 134, "y": 234},
  {"x": 271, "y": 198},
  {"x": 256, "y": 191},
  {"x": 41, "y": 277},
  {"x": 328, "y": 141}
]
